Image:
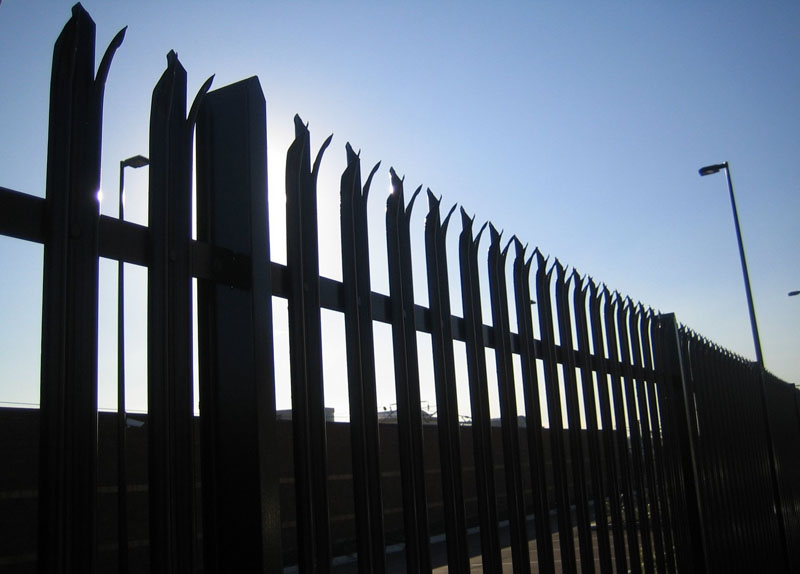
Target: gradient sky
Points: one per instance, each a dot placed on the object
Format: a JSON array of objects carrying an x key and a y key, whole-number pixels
[{"x": 578, "y": 127}]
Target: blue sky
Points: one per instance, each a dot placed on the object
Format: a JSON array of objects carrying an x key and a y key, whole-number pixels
[{"x": 579, "y": 127}]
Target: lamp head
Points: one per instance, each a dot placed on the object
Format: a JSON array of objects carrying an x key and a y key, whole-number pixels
[
  {"x": 711, "y": 169},
  {"x": 135, "y": 161},
  {"x": 793, "y": 293}
]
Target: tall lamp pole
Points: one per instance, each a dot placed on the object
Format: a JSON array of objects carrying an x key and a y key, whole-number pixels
[
  {"x": 708, "y": 170},
  {"x": 135, "y": 162}
]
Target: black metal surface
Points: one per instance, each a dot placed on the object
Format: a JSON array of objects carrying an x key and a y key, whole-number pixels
[
  {"x": 241, "y": 506},
  {"x": 625, "y": 310},
  {"x": 479, "y": 395},
  {"x": 68, "y": 395},
  {"x": 674, "y": 501},
  {"x": 552, "y": 384},
  {"x": 702, "y": 465},
  {"x": 305, "y": 354},
  {"x": 621, "y": 434},
  {"x": 610, "y": 445},
  {"x": 444, "y": 374},
  {"x": 22, "y": 216},
  {"x": 406, "y": 375},
  {"x": 169, "y": 323},
  {"x": 367, "y": 494},
  {"x": 694, "y": 556},
  {"x": 652, "y": 441},
  {"x": 509, "y": 420},
  {"x": 530, "y": 387},
  {"x": 595, "y": 446},
  {"x": 580, "y": 498}
]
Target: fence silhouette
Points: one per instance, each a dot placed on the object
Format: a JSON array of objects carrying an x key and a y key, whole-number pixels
[{"x": 658, "y": 456}]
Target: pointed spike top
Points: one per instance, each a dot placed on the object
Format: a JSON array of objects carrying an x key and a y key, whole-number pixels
[
  {"x": 394, "y": 176},
  {"x": 397, "y": 182},
  {"x": 410, "y": 205},
  {"x": 369, "y": 179},
  {"x": 351, "y": 155},
  {"x": 198, "y": 100},
  {"x": 446, "y": 221},
  {"x": 78, "y": 9},
  {"x": 508, "y": 244},
  {"x": 480, "y": 233},
  {"x": 105, "y": 63},
  {"x": 300, "y": 128},
  {"x": 433, "y": 201},
  {"x": 318, "y": 160},
  {"x": 494, "y": 234},
  {"x": 559, "y": 269},
  {"x": 578, "y": 279},
  {"x": 172, "y": 58},
  {"x": 520, "y": 249},
  {"x": 466, "y": 220}
]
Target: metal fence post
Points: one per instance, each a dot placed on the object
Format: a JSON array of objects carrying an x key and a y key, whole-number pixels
[
  {"x": 509, "y": 420},
  {"x": 533, "y": 413},
  {"x": 364, "y": 433},
  {"x": 241, "y": 506},
  {"x": 445, "y": 381},
  {"x": 478, "y": 394},
  {"x": 580, "y": 498},
  {"x": 406, "y": 369},
  {"x": 169, "y": 326},
  {"x": 305, "y": 353},
  {"x": 672, "y": 364},
  {"x": 68, "y": 416},
  {"x": 546, "y": 330}
]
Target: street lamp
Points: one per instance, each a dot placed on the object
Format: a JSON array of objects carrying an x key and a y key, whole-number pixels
[
  {"x": 776, "y": 490},
  {"x": 709, "y": 170},
  {"x": 134, "y": 162},
  {"x": 793, "y": 293}
]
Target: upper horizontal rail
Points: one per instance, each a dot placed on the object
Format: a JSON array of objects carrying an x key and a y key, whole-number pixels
[{"x": 22, "y": 217}]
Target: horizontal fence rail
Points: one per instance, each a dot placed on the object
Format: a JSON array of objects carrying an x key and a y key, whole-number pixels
[{"x": 655, "y": 455}]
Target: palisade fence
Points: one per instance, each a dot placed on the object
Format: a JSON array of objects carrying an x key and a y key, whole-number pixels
[{"x": 664, "y": 453}]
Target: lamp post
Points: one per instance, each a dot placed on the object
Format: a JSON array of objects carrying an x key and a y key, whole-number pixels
[
  {"x": 711, "y": 169},
  {"x": 776, "y": 493},
  {"x": 135, "y": 162}
]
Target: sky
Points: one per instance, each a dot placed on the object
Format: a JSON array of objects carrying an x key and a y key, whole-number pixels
[{"x": 579, "y": 127}]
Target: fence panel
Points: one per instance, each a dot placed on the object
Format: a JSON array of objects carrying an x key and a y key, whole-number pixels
[{"x": 669, "y": 452}]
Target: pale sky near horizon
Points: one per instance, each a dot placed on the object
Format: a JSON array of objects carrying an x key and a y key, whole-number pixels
[{"x": 578, "y": 127}]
